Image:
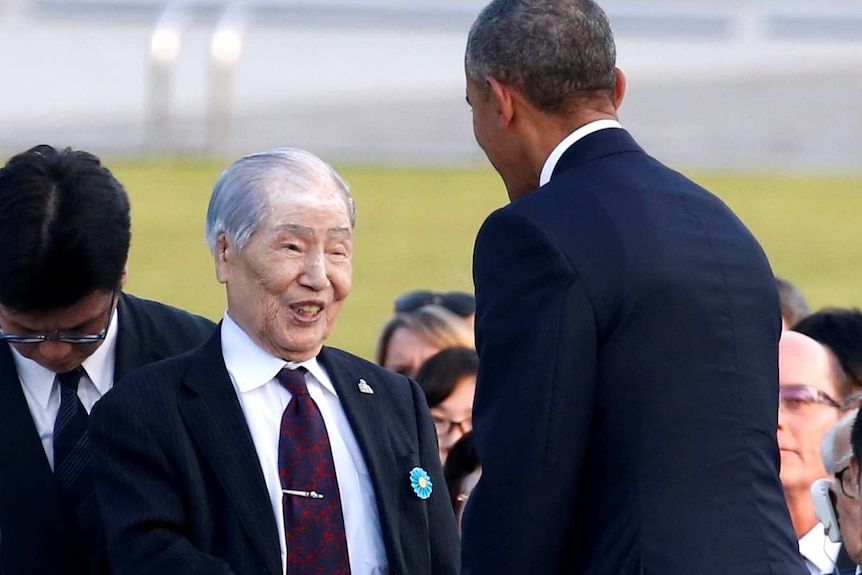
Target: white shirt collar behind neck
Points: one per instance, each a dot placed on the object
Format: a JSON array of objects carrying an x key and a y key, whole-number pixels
[{"x": 557, "y": 153}]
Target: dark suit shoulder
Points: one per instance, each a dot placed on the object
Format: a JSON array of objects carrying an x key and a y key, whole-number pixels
[
  {"x": 153, "y": 315},
  {"x": 160, "y": 378}
]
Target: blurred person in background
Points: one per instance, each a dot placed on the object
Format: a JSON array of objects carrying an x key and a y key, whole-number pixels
[
  {"x": 69, "y": 332},
  {"x": 841, "y": 331},
  {"x": 854, "y": 485},
  {"x": 462, "y": 471},
  {"x": 460, "y": 303},
  {"x": 837, "y": 453},
  {"x": 409, "y": 338},
  {"x": 264, "y": 451},
  {"x": 812, "y": 390},
  {"x": 627, "y": 324},
  {"x": 793, "y": 305},
  {"x": 448, "y": 379}
]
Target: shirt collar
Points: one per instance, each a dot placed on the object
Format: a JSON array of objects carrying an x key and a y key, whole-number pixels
[
  {"x": 99, "y": 368},
  {"x": 557, "y": 153},
  {"x": 251, "y": 367},
  {"x": 818, "y": 550}
]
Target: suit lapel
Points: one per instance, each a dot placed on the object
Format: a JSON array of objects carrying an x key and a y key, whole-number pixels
[
  {"x": 131, "y": 351},
  {"x": 216, "y": 421},
  {"x": 22, "y": 456},
  {"x": 367, "y": 414}
]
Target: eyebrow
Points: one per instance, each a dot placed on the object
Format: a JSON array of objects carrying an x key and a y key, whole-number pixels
[{"x": 307, "y": 232}]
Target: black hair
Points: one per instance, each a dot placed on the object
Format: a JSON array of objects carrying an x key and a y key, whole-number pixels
[
  {"x": 841, "y": 331},
  {"x": 65, "y": 229},
  {"x": 441, "y": 372}
]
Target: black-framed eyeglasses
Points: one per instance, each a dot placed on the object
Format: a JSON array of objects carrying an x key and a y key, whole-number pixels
[
  {"x": 459, "y": 303},
  {"x": 445, "y": 426},
  {"x": 794, "y": 396},
  {"x": 846, "y": 482},
  {"x": 77, "y": 339}
]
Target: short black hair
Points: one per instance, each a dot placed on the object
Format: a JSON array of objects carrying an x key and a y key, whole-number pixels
[
  {"x": 840, "y": 330},
  {"x": 65, "y": 229},
  {"x": 441, "y": 372}
]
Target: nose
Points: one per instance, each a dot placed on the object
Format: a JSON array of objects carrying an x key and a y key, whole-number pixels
[
  {"x": 54, "y": 351},
  {"x": 314, "y": 273}
]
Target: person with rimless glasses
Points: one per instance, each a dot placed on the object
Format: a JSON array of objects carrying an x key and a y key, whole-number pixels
[
  {"x": 67, "y": 333},
  {"x": 812, "y": 391}
]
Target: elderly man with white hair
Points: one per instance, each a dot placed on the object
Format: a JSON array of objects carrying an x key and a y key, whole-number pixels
[{"x": 264, "y": 451}]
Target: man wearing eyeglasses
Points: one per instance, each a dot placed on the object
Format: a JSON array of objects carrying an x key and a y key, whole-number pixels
[
  {"x": 837, "y": 454},
  {"x": 67, "y": 333},
  {"x": 812, "y": 389}
]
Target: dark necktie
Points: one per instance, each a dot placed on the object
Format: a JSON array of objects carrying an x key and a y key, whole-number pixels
[
  {"x": 72, "y": 455},
  {"x": 313, "y": 525}
]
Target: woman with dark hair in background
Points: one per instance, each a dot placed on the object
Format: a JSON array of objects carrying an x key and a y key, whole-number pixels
[{"x": 449, "y": 382}]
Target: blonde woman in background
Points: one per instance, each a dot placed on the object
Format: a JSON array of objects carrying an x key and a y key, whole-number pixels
[{"x": 409, "y": 338}]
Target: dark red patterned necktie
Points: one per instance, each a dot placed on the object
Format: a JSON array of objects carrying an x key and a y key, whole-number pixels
[{"x": 313, "y": 521}]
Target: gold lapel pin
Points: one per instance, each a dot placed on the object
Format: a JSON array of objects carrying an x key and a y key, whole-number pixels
[{"x": 365, "y": 388}]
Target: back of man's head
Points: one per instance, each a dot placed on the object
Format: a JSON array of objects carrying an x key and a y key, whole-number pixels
[
  {"x": 64, "y": 229},
  {"x": 841, "y": 331},
  {"x": 555, "y": 52},
  {"x": 793, "y": 305}
]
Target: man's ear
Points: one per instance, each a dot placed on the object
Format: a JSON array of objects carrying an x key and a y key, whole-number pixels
[
  {"x": 224, "y": 255},
  {"x": 124, "y": 277},
  {"x": 619, "y": 88},
  {"x": 503, "y": 99}
]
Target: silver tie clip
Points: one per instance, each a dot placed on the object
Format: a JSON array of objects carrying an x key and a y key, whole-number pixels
[{"x": 308, "y": 494}]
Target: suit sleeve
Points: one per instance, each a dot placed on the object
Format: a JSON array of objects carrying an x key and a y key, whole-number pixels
[
  {"x": 135, "y": 488},
  {"x": 536, "y": 339},
  {"x": 442, "y": 529}
]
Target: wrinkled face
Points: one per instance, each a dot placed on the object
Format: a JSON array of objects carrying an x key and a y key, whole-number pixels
[
  {"x": 286, "y": 287},
  {"x": 88, "y": 316},
  {"x": 453, "y": 417},
  {"x": 406, "y": 352},
  {"x": 499, "y": 145},
  {"x": 801, "y": 427}
]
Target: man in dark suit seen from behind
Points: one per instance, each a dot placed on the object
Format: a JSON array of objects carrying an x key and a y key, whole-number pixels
[
  {"x": 263, "y": 451},
  {"x": 68, "y": 333},
  {"x": 627, "y": 326}
]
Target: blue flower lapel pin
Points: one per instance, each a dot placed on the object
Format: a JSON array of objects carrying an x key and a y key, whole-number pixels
[
  {"x": 420, "y": 481},
  {"x": 364, "y": 387}
]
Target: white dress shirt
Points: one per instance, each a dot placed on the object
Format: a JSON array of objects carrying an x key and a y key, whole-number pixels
[
  {"x": 263, "y": 399},
  {"x": 819, "y": 552},
  {"x": 42, "y": 389},
  {"x": 556, "y": 153}
]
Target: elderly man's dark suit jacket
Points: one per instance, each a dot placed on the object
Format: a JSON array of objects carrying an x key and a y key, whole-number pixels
[
  {"x": 626, "y": 410},
  {"x": 36, "y": 537},
  {"x": 181, "y": 487}
]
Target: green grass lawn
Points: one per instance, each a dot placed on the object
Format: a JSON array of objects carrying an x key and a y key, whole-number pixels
[{"x": 415, "y": 229}]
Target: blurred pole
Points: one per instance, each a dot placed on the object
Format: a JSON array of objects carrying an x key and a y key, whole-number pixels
[
  {"x": 225, "y": 50},
  {"x": 165, "y": 45},
  {"x": 750, "y": 26},
  {"x": 11, "y": 9}
]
